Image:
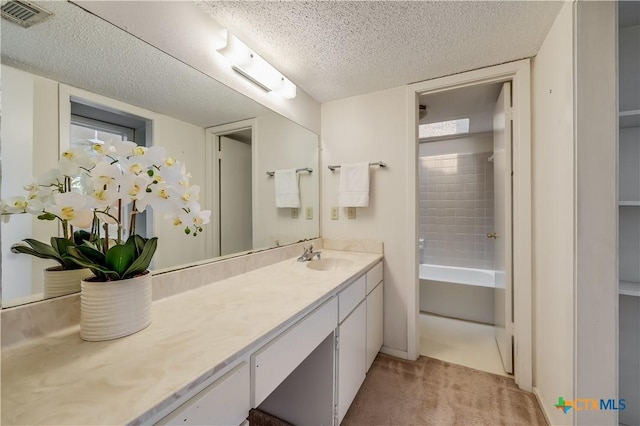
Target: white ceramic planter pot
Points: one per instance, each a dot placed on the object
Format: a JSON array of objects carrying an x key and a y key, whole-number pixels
[
  {"x": 113, "y": 309},
  {"x": 58, "y": 282}
]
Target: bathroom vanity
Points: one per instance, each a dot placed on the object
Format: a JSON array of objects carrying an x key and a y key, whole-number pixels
[{"x": 294, "y": 341}]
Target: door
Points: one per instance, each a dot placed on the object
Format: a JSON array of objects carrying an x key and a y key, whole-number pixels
[
  {"x": 234, "y": 168},
  {"x": 352, "y": 354},
  {"x": 502, "y": 236}
]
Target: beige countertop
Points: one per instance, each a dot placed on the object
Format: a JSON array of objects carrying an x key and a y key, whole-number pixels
[{"x": 61, "y": 379}]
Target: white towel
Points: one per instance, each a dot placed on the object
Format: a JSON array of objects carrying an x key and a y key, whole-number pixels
[
  {"x": 354, "y": 185},
  {"x": 287, "y": 191}
]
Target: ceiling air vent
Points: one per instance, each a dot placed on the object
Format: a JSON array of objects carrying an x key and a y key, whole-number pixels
[{"x": 23, "y": 13}]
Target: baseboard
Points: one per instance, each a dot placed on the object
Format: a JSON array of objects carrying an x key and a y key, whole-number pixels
[
  {"x": 394, "y": 352},
  {"x": 541, "y": 404}
]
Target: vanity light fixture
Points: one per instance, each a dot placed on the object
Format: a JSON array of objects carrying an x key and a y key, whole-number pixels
[{"x": 253, "y": 67}]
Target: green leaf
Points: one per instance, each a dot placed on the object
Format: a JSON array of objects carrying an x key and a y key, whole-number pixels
[
  {"x": 61, "y": 244},
  {"x": 23, "y": 249},
  {"x": 88, "y": 252},
  {"x": 81, "y": 236},
  {"x": 42, "y": 248},
  {"x": 141, "y": 264},
  {"x": 47, "y": 216},
  {"x": 120, "y": 257},
  {"x": 138, "y": 242},
  {"x": 98, "y": 270}
]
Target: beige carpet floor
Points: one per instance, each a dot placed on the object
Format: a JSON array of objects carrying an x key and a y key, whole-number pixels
[{"x": 433, "y": 392}]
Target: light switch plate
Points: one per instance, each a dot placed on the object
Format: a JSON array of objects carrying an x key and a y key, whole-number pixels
[
  {"x": 294, "y": 213},
  {"x": 335, "y": 213},
  {"x": 309, "y": 213},
  {"x": 351, "y": 212}
]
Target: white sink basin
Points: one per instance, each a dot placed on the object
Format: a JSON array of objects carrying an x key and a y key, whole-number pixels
[{"x": 329, "y": 264}]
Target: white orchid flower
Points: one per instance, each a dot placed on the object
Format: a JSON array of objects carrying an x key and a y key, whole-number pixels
[
  {"x": 133, "y": 187},
  {"x": 192, "y": 218},
  {"x": 154, "y": 155},
  {"x": 160, "y": 198},
  {"x": 187, "y": 195},
  {"x": 74, "y": 159},
  {"x": 52, "y": 177},
  {"x": 104, "y": 174},
  {"x": 105, "y": 196},
  {"x": 114, "y": 148},
  {"x": 36, "y": 206},
  {"x": 15, "y": 205},
  {"x": 133, "y": 165},
  {"x": 74, "y": 208}
]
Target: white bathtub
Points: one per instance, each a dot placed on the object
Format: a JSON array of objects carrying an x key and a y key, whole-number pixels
[{"x": 454, "y": 292}]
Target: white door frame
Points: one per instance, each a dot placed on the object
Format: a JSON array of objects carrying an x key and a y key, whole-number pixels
[
  {"x": 519, "y": 73},
  {"x": 211, "y": 175}
]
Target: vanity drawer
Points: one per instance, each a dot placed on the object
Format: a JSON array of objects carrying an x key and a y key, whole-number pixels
[
  {"x": 374, "y": 276},
  {"x": 224, "y": 402},
  {"x": 273, "y": 363},
  {"x": 351, "y": 296}
]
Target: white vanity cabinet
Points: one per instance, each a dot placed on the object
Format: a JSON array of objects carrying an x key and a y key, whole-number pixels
[
  {"x": 272, "y": 364},
  {"x": 360, "y": 334},
  {"x": 224, "y": 402},
  {"x": 375, "y": 313},
  {"x": 352, "y": 343}
]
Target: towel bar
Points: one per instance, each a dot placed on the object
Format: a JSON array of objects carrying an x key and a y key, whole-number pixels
[
  {"x": 379, "y": 163},
  {"x": 304, "y": 169}
]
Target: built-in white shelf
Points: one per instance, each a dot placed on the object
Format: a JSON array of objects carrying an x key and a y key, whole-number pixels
[
  {"x": 629, "y": 203},
  {"x": 629, "y": 118},
  {"x": 629, "y": 288}
]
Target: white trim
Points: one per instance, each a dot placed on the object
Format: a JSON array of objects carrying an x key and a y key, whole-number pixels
[
  {"x": 211, "y": 175},
  {"x": 519, "y": 73},
  {"x": 394, "y": 352},
  {"x": 536, "y": 393}
]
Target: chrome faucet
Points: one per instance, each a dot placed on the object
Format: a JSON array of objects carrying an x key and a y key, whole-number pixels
[{"x": 309, "y": 254}]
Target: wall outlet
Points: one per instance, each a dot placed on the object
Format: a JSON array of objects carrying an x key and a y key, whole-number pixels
[
  {"x": 351, "y": 212},
  {"x": 309, "y": 213},
  {"x": 294, "y": 213},
  {"x": 335, "y": 213}
]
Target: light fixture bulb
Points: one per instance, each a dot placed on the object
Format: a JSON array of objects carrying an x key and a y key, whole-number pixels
[{"x": 252, "y": 66}]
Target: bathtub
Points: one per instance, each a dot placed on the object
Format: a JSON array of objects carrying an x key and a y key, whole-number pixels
[{"x": 455, "y": 292}]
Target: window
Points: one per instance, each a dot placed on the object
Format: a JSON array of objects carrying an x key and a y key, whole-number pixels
[
  {"x": 90, "y": 124},
  {"x": 443, "y": 128}
]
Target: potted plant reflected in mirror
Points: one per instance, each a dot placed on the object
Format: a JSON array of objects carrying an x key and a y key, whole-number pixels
[{"x": 98, "y": 190}]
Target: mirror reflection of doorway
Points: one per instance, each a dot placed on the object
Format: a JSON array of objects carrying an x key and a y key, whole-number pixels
[{"x": 233, "y": 157}]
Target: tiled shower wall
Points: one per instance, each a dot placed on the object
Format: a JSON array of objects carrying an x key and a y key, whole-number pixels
[{"x": 456, "y": 210}]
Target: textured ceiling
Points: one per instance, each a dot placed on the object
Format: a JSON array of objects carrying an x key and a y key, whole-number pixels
[
  {"x": 336, "y": 49},
  {"x": 82, "y": 50}
]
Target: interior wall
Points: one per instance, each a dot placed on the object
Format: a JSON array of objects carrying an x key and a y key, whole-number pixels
[
  {"x": 29, "y": 125},
  {"x": 596, "y": 292},
  {"x": 372, "y": 128},
  {"x": 553, "y": 216},
  {"x": 280, "y": 144}
]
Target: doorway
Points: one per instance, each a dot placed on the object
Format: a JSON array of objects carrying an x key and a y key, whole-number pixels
[
  {"x": 463, "y": 220},
  {"x": 230, "y": 152},
  {"x": 518, "y": 73}
]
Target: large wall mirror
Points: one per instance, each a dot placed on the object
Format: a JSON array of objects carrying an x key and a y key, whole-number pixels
[{"x": 75, "y": 77}]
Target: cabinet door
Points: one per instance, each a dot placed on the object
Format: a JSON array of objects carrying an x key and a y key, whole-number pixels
[
  {"x": 351, "y": 357},
  {"x": 375, "y": 308},
  {"x": 224, "y": 402}
]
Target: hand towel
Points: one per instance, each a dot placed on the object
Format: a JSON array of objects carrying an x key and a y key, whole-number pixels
[
  {"x": 287, "y": 191},
  {"x": 354, "y": 185}
]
